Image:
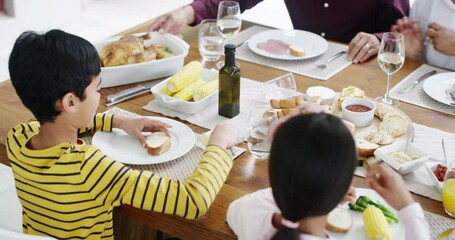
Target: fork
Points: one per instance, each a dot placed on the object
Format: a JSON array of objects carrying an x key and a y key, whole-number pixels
[{"x": 324, "y": 65}]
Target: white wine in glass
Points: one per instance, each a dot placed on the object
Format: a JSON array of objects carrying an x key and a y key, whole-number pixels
[
  {"x": 390, "y": 59},
  {"x": 228, "y": 18}
]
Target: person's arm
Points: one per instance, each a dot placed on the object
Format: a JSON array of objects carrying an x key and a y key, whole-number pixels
[
  {"x": 101, "y": 122},
  {"x": 250, "y": 217},
  {"x": 413, "y": 219}
]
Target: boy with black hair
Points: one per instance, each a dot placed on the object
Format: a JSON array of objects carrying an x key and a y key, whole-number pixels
[{"x": 67, "y": 188}]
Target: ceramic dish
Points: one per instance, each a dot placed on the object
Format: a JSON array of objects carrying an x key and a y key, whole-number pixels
[
  {"x": 384, "y": 153},
  {"x": 313, "y": 44},
  {"x": 126, "y": 149},
  {"x": 137, "y": 72},
  {"x": 430, "y": 167},
  {"x": 436, "y": 86},
  {"x": 360, "y": 119},
  {"x": 187, "y": 107}
]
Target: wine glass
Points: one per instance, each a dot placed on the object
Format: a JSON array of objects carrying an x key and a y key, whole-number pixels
[
  {"x": 228, "y": 21},
  {"x": 448, "y": 190},
  {"x": 260, "y": 121},
  {"x": 390, "y": 59},
  {"x": 211, "y": 42}
]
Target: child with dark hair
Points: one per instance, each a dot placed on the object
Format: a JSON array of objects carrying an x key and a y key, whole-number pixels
[
  {"x": 67, "y": 188},
  {"x": 312, "y": 161}
]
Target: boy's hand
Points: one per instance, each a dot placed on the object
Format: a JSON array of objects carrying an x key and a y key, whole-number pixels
[
  {"x": 390, "y": 185},
  {"x": 224, "y": 135},
  {"x": 135, "y": 126}
]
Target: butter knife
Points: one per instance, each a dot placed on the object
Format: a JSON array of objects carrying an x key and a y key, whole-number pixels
[
  {"x": 417, "y": 81},
  {"x": 129, "y": 93}
]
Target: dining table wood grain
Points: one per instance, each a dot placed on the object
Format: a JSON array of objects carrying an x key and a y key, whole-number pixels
[{"x": 247, "y": 174}]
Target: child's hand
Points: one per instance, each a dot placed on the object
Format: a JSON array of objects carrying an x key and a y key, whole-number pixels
[
  {"x": 350, "y": 196},
  {"x": 390, "y": 185},
  {"x": 135, "y": 126},
  {"x": 224, "y": 135}
]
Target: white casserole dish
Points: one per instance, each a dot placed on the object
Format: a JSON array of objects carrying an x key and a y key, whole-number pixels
[
  {"x": 184, "y": 106},
  {"x": 138, "y": 72}
]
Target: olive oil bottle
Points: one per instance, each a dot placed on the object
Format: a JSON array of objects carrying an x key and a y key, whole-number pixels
[{"x": 229, "y": 85}]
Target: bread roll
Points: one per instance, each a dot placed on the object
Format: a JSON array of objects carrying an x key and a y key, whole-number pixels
[
  {"x": 296, "y": 50},
  {"x": 364, "y": 147},
  {"x": 339, "y": 220},
  {"x": 158, "y": 143}
]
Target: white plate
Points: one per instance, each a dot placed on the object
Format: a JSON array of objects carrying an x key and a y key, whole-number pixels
[
  {"x": 124, "y": 148},
  {"x": 436, "y": 86},
  {"x": 313, "y": 45},
  {"x": 357, "y": 230}
]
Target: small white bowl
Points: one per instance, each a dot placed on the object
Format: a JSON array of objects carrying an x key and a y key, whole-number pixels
[
  {"x": 359, "y": 119},
  {"x": 384, "y": 153},
  {"x": 430, "y": 167}
]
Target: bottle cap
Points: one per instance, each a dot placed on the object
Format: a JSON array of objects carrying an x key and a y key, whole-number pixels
[{"x": 229, "y": 48}]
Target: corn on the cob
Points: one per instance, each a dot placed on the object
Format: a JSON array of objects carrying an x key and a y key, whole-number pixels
[
  {"x": 205, "y": 90},
  {"x": 165, "y": 91},
  {"x": 186, "y": 93},
  {"x": 376, "y": 225},
  {"x": 185, "y": 76}
]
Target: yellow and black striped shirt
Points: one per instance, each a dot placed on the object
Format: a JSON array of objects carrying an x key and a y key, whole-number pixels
[{"x": 68, "y": 191}]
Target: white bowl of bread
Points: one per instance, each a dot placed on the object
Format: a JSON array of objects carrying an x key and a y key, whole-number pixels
[
  {"x": 134, "y": 63},
  {"x": 403, "y": 159}
]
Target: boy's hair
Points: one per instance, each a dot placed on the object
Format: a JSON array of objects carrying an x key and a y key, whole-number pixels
[
  {"x": 45, "y": 67},
  {"x": 312, "y": 161}
]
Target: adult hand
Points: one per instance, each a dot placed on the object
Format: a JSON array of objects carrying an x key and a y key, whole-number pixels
[
  {"x": 362, "y": 47},
  {"x": 350, "y": 196},
  {"x": 413, "y": 38},
  {"x": 224, "y": 135},
  {"x": 174, "y": 21},
  {"x": 442, "y": 39},
  {"x": 135, "y": 126},
  {"x": 390, "y": 185}
]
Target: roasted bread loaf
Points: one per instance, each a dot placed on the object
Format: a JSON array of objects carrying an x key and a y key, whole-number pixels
[{"x": 158, "y": 143}]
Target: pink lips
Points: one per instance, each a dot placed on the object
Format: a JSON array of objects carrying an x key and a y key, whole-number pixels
[{"x": 274, "y": 46}]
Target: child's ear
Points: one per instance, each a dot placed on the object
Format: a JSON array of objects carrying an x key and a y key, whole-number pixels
[{"x": 68, "y": 103}]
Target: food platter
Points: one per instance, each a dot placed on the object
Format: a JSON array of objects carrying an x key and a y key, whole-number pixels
[
  {"x": 357, "y": 230},
  {"x": 124, "y": 148},
  {"x": 313, "y": 44}
]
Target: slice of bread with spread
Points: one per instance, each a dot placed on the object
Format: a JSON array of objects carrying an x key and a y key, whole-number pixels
[{"x": 158, "y": 143}]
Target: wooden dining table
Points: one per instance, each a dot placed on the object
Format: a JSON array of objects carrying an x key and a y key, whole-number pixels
[{"x": 247, "y": 174}]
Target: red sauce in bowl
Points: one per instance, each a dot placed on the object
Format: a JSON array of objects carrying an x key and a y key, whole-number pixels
[{"x": 358, "y": 108}]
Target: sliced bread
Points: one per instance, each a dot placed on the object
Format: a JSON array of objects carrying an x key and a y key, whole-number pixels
[
  {"x": 339, "y": 220},
  {"x": 158, "y": 143},
  {"x": 364, "y": 147}
]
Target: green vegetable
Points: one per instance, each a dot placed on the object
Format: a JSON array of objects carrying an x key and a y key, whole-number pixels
[
  {"x": 364, "y": 201},
  {"x": 167, "y": 49}
]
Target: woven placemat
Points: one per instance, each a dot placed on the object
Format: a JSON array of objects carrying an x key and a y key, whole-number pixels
[
  {"x": 417, "y": 96},
  {"x": 306, "y": 67},
  {"x": 178, "y": 169},
  {"x": 438, "y": 224}
]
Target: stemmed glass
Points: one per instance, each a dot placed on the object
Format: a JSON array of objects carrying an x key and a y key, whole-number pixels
[
  {"x": 390, "y": 59},
  {"x": 228, "y": 20}
]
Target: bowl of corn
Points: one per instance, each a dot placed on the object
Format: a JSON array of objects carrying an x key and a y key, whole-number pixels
[{"x": 191, "y": 90}]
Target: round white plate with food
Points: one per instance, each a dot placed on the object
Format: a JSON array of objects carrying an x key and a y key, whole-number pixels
[
  {"x": 277, "y": 43},
  {"x": 126, "y": 149},
  {"x": 357, "y": 230},
  {"x": 436, "y": 86}
]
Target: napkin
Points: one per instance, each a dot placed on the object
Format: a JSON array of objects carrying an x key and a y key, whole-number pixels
[
  {"x": 306, "y": 67},
  {"x": 429, "y": 140},
  {"x": 251, "y": 96}
]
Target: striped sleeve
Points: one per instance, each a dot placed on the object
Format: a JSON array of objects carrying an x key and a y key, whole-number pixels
[
  {"x": 145, "y": 190},
  {"x": 101, "y": 122}
]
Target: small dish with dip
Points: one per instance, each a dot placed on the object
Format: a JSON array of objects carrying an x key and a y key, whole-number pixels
[
  {"x": 359, "y": 111},
  {"x": 434, "y": 168},
  {"x": 399, "y": 159}
]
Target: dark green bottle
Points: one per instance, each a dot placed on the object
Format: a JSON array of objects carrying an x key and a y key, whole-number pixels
[{"x": 229, "y": 85}]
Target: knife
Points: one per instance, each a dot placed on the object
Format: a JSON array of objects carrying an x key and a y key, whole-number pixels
[
  {"x": 129, "y": 93},
  {"x": 415, "y": 82}
]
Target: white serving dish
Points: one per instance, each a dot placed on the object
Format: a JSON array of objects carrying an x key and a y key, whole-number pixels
[
  {"x": 138, "y": 72},
  {"x": 430, "y": 167},
  {"x": 384, "y": 152},
  {"x": 360, "y": 119},
  {"x": 186, "y": 106}
]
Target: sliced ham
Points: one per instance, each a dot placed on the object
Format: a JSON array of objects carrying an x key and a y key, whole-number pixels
[{"x": 274, "y": 46}]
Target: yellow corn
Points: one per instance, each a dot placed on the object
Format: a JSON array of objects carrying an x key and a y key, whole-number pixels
[
  {"x": 376, "y": 225},
  {"x": 165, "y": 91},
  {"x": 205, "y": 90},
  {"x": 184, "y": 77},
  {"x": 186, "y": 93}
]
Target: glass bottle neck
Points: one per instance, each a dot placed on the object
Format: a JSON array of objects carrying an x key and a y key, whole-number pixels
[{"x": 229, "y": 59}]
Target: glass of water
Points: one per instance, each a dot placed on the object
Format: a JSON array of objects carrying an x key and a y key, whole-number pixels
[
  {"x": 259, "y": 122},
  {"x": 211, "y": 41}
]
